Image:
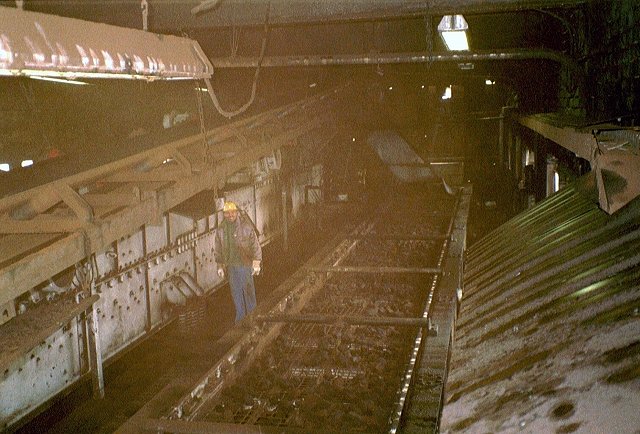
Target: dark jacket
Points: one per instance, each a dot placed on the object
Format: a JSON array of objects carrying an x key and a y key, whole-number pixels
[{"x": 246, "y": 240}]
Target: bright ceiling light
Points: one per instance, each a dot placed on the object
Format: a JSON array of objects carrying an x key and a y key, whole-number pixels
[
  {"x": 5, "y": 167},
  {"x": 453, "y": 30},
  {"x": 59, "y": 80},
  {"x": 489, "y": 82},
  {"x": 26, "y": 163},
  {"x": 447, "y": 93}
]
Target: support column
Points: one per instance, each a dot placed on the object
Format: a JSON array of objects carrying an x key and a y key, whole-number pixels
[
  {"x": 92, "y": 333},
  {"x": 552, "y": 166},
  {"x": 285, "y": 222}
]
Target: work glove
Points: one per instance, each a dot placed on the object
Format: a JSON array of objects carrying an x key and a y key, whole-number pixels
[
  {"x": 256, "y": 268},
  {"x": 221, "y": 272}
]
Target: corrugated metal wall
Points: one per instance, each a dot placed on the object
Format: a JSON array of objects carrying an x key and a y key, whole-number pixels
[{"x": 548, "y": 334}]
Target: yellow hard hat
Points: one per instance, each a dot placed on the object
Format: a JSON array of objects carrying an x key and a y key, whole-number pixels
[{"x": 229, "y": 206}]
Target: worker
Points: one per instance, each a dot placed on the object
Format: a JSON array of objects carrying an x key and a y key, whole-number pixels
[{"x": 238, "y": 253}]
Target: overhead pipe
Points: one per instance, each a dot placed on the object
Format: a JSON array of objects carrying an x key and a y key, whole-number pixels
[{"x": 393, "y": 58}]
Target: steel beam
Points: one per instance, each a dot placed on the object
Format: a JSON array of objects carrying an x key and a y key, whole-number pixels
[
  {"x": 42, "y": 224},
  {"x": 23, "y": 274},
  {"x": 375, "y": 270},
  {"x": 438, "y": 237},
  {"x": 430, "y": 377},
  {"x": 581, "y": 143},
  {"x": 16, "y": 343},
  {"x": 616, "y": 170},
  {"x": 199, "y": 427},
  {"x": 341, "y": 319},
  {"x": 213, "y": 13}
]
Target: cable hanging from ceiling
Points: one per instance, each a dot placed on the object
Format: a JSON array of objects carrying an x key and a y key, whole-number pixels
[{"x": 254, "y": 86}]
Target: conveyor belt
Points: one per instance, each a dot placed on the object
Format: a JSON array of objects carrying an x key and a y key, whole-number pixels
[{"x": 337, "y": 353}]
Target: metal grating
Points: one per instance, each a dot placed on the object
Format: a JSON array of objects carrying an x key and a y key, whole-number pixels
[{"x": 319, "y": 363}]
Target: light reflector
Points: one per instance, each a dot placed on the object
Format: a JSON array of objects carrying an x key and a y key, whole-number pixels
[
  {"x": 58, "y": 80},
  {"x": 33, "y": 43},
  {"x": 453, "y": 30}
]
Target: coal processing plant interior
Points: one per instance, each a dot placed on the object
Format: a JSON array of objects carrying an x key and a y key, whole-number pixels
[{"x": 444, "y": 192}]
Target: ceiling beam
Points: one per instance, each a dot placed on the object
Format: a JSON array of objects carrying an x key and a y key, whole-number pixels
[
  {"x": 167, "y": 16},
  {"x": 226, "y": 13},
  {"x": 616, "y": 170}
]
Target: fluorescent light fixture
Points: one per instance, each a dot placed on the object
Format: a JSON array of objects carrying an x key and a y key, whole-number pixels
[
  {"x": 39, "y": 44},
  {"x": 26, "y": 163},
  {"x": 313, "y": 85},
  {"x": 556, "y": 182},
  {"x": 453, "y": 30},
  {"x": 59, "y": 80},
  {"x": 5, "y": 167},
  {"x": 202, "y": 89},
  {"x": 72, "y": 75},
  {"x": 489, "y": 82},
  {"x": 447, "y": 93},
  {"x": 65, "y": 74},
  {"x": 455, "y": 41}
]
